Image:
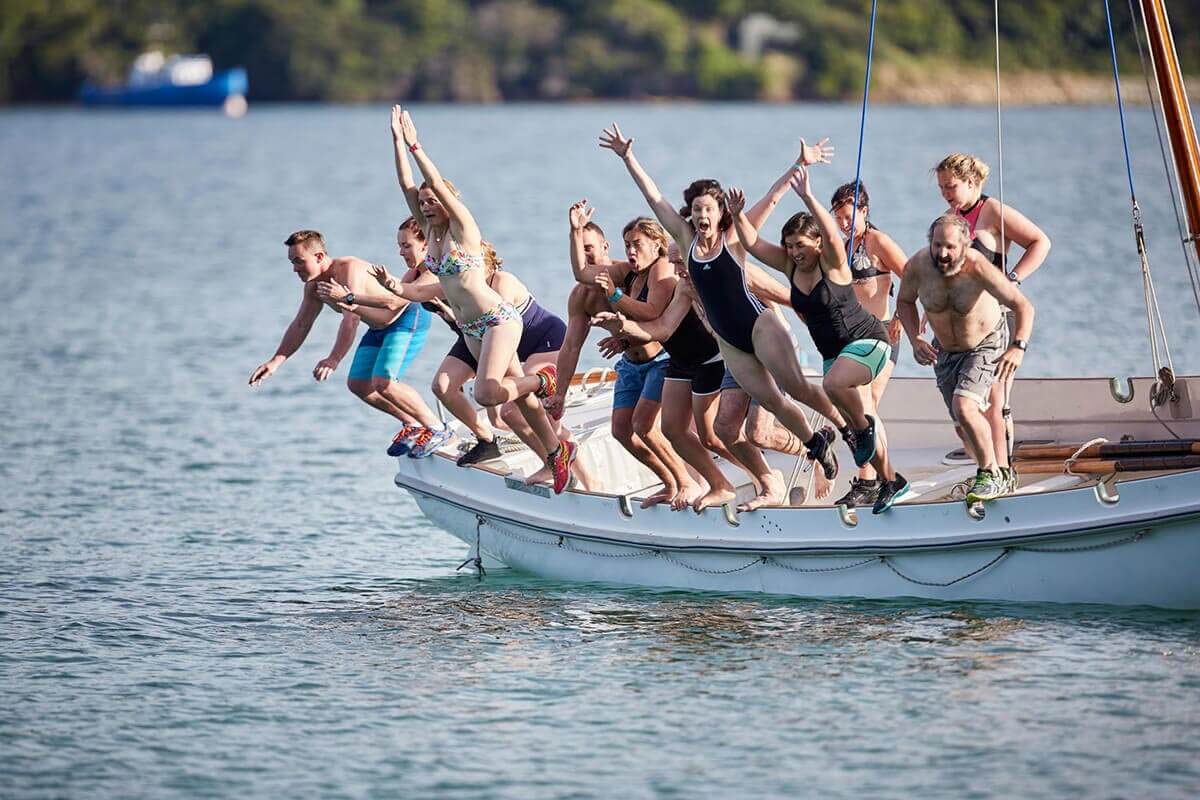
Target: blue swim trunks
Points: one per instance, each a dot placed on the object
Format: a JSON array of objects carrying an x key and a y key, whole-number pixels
[
  {"x": 387, "y": 352},
  {"x": 635, "y": 381}
]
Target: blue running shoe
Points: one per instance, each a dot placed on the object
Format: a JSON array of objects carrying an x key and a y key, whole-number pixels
[
  {"x": 403, "y": 440},
  {"x": 890, "y": 492},
  {"x": 864, "y": 442},
  {"x": 428, "y": 441}
]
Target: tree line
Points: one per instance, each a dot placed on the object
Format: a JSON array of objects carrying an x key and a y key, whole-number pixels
[{"x": 489, "y": 50}]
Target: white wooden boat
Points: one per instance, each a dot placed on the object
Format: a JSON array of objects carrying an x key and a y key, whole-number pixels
[
  {"x": 1116, "y": 537},
  {"x": 1126, "y": 538}
]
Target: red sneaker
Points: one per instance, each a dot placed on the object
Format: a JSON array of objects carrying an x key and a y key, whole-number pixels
[
  {"x": 548, "y": 375},
  {"x": 560, "y": 462}
]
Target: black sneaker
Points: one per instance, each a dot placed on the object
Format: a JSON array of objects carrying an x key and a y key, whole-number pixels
[
  {"x": 823, "y": 452},
  {"x": 890, "y": 492},
  {"x": 480, "y": 451},
  {"x": 862, "y": 493},
  {"x": 864, "y": 443}
]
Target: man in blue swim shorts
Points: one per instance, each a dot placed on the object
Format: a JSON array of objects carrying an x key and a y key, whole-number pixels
[{"x": 385, "y": 351}]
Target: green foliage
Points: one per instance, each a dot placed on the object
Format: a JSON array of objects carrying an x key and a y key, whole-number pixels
[{"x": 358, "y": 50}]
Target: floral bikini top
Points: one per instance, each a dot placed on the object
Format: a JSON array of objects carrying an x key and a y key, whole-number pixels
[{"x": 454, "y": 260}]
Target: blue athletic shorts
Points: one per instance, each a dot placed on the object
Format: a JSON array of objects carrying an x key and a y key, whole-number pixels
[
  {"x": 635, "y": 381},
  {"x": 387, "y": 352}
]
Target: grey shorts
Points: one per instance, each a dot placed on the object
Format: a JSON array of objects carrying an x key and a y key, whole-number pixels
[{"x": 971, "y": 373}]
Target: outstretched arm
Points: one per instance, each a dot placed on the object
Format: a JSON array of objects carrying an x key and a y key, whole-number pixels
[
  {"x": 833, "y": 253},
  {"x": 460, "y": 217},
  {"x": 764, "y": 287},
  {"x": 819, "y": 153},
  {"x": 293, "y": 337},
  {"x": 423, "y": 288},
  {"x": 579, "y": 216},
  {"x": 568, "y": 354},
  {"x": 668, "y": 217},
  {"x": 906, "y": 312},
  {"x": 404, "y": 169},
  {"x": 772, "y": 255},
  {"x": 341, "y": 346}
]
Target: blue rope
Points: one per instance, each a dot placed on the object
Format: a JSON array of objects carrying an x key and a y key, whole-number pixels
[
  {"x": 862, "y": 129},
  {"x": 1112, "y": 45}
]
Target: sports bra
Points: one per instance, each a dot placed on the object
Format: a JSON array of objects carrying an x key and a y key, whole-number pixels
[{"x": 971, "y": 215}]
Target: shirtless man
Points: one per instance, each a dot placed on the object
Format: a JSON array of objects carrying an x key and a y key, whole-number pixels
[
  {"x": 962, "y": 292},
  {"x": 641, "y": 369},
  {"x": 376, "y": 384}
]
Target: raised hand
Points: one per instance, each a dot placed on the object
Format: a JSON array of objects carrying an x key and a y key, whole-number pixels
[
  {"x": 799, "y": 180},
  {"x": 324, "y": 368},
  {"x": 819, "y": 153},
  {"x": 580, "y": 215},
  {"x": 611, "y": 139},
  {"x": 397, "y": 127},
  {"x": 407, "y": 129},
  {"x": 735, "y": 200}
]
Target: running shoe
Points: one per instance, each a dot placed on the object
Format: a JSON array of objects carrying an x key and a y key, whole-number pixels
[
  {"x": 864, "y": 442},
  {"x": 480, "y": 451},
  {"x": 560, "y": 462},
  {"x": 823, "y": 453},
  {"x": 428, "y": 441},
  {"x": 862, "y": 493},
  {"x": 548, "y": 375},
  {"x": 403, "y": 440},
  {"x": 890, "y": 492},
  {"x": 988, "y": 485}
]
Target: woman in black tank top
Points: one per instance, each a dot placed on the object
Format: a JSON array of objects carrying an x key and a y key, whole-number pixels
[
  {"x": 756, "y": 346},
  {"x": 851, "y": 340}
]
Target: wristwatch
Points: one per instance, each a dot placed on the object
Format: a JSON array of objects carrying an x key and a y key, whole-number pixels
[
  {"x": 1012, "y": 276},
  {"x": 349, "y": 299},
  {"x": 1020, "y": 344}
]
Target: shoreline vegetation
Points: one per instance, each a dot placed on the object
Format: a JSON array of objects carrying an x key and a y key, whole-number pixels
[{"x": 927, "y": 52}]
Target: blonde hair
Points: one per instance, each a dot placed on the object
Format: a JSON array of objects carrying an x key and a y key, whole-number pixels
[
  {"x": 453, "y": 189},
  {"x": 965, "y": 167},
  {"x": 650, "y": 229}
]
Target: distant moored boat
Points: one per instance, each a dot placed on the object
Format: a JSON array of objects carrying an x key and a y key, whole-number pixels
[{"x": 181, "y": 80}]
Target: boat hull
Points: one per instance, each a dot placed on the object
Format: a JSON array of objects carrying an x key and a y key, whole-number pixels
[
  {"x": 213, "y": 93},
  {"x": 1130, "y": 542}
]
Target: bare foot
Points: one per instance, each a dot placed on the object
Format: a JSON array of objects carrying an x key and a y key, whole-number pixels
[
  {"x": 713, "y": 497},
  {"x": 663, "y": 495},
  {"x": 771, "y": 495},
  {"x": 822, "y": 486},
  {"x": 686, "y": 496},
  {"x": 543, "y": 475}
]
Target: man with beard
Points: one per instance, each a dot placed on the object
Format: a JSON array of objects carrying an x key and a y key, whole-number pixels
[{"x": 962, "y": 293}]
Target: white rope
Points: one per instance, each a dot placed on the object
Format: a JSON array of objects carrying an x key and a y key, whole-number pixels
[{"x": 1070, "y": 462}]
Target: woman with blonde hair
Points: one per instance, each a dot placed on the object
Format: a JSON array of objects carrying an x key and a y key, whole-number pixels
[{"x": 994, "y": 229}]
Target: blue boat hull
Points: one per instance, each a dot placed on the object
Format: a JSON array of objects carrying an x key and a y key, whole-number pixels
[{"x": 214, "y": 93}]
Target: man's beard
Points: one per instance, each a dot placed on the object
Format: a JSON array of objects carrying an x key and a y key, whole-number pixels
[{"x": 950, "y": 267}]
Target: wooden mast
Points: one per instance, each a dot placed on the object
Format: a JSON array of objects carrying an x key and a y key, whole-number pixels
[{"x": 1176, "y": 113}]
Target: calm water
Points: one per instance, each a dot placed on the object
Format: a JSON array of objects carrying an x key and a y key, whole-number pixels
[{"x": 212, "y": 591}]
